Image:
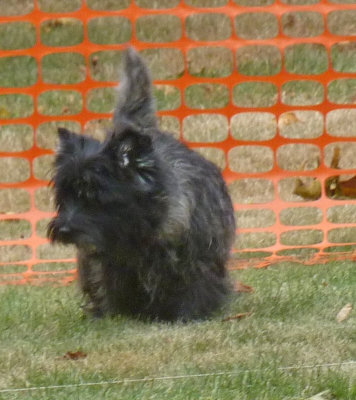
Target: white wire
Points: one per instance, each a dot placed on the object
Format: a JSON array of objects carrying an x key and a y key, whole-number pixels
[{"x": 173, "y": 377}]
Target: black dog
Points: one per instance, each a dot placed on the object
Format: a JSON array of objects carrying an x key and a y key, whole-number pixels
[{"x": 152, "y": 220}]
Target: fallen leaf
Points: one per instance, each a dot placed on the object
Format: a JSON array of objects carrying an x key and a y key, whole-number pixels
[
  {"x": 344, "y": 312},
  {"x": 74, "y": 355},
  {"x": 290, "y": 21},
  {"x": 310, "y": 190},
  {"x": 166, "y": 89},
  {"x": 66, "y": 20},
  {"x": 95, "y": 64},
  {"x": 52, "y": 24},
  {"x": 337, "y": 186},
  {"x": 348, "y": 188},
  {"x": 336, "y": 158},
  {"x": 241, "y": 287},
  {"x": 287, "y": 119},
  {"x": 4, "y": 113},
  {"x": 237, "y": 316}
]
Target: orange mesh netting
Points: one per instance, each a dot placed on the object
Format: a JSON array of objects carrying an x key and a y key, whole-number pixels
[{"x": 284, "y": 182}]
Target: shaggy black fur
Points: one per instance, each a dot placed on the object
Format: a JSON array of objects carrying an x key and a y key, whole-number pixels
[{"x": 152, "y": 220}]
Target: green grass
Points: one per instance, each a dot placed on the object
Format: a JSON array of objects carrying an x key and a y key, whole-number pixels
[
  {"x": 168, "y": 97},
  {"x": 293, "y": 324},
  {"x": 17, "y": 35},
  {"x": 255, "y": 240},
  {"x": 307, "y": 58},
  {"x": 208, "y": 128},
  {"x": 18, "y": 71},
  {"x": 13, "y": 253},
  {"x": 302, "y": 24},
  {"x": 16, "y": 137},
  {"x": 63, "y": 68},
  {"x": 208, "y": 26},
  {"x": 342, "y": 91},
  {"x": 301, "y": 216},
  {"x": 16, "y": 106},
  {"x": 207, "y": 95},
  {"x": 60, "y": 102},
  {"x": 14, "y": 229},
  {"x": 159, "y": 28},
  {"x": 303, "y": 93},
  {"x": 59, "y": 6},
  {"x": 101, "y": 100},
  {"x": 255, "y": 94},
  {"x": 259, "y": 60},
  {"x": 14, "y": 169},
  {"x": 256, "y": 126},
  {"x": 343, "y": 56},
  {"x": 108, "y": 4},
  {"x": 14, "y": 200},
  {"x": 261, "y": 25},
  {"x": 109, "y": 30},
  {"x": 210, "y": 61}
]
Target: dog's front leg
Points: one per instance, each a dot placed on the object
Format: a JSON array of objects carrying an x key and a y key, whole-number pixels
[{"x": 93, "y": 284}]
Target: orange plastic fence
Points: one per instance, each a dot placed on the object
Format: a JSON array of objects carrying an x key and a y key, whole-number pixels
[{"x": 183, "y": 10}]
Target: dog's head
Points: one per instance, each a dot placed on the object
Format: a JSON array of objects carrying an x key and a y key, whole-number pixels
[
  {"x": 111, "y": 191},
  {"x": 104, "y": 191}
]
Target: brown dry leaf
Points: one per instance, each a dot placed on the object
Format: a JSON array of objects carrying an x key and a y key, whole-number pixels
[
  {"x": 241, "y": 287},
  {"x": 344, "y": 313},
  {"x": 67, "y": 21},
  {"x": 290, "y": 21},
  {"x": 309, "y": 191},
  {"x": 237, "y": 316},
  {"x": 74, "y": 355},
  {"x": 95, "y": 63},
  {"x": 52, "y": 24},
  {"x": 4, "y": 113},
  {"x": 94, "y": 60},
  {"x": 348, "y": 188},
  {"x": 336, "y": 158},
  {"x": 288, "y": 119}
]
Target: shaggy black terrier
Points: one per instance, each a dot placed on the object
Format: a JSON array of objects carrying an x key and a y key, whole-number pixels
[{"x": 152, "y": 219}]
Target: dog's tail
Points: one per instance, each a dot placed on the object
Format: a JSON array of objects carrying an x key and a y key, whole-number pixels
[{"x": 135, "y": 100}]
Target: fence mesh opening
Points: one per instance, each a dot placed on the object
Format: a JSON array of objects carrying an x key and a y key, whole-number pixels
[{"x": 265, "y": 89}]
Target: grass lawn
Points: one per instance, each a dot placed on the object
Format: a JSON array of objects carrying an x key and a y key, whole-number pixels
[{"x": 293, "y": 323}]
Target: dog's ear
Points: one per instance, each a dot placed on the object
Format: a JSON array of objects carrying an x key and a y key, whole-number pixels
[
  {"x": 68, "y": 141},
  {"x": 64, "y": 134},
  {"x": 131, "y": 149}
]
